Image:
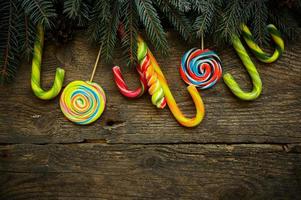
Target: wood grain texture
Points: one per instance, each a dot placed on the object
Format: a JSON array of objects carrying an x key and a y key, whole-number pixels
[
  {"x": 101, "y": 171},
  {"x": 273, "y": 118}
]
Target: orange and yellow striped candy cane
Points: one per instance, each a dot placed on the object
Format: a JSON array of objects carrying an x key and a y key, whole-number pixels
[{"x": 171, "y": 102}]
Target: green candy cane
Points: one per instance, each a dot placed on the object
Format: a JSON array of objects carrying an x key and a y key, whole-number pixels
[
  {"x": 246, "y": 60},
  {"x": 36, "y": 70},
  {"x": 258, "y": 52}
]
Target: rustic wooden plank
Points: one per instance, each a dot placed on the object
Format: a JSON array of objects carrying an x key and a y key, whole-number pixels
[
  {"x": 273, "y": 118},
  {"x": 100, "y": 171}
]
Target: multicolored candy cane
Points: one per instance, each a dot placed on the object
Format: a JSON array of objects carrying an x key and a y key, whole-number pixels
[
  {"x": 160, "y": 91},
  {"x": 251, "y": 68},
  {"x": 36, "y": 70},
  {"x": 154, "y": 85},
  {"x": 246, "y": 60},
  {"x": 198, "y": 102},
  {"x": 148, "y": 78}
]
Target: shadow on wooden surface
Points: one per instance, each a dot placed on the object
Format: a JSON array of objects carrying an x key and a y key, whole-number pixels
[{"x": 242, "y": 150}]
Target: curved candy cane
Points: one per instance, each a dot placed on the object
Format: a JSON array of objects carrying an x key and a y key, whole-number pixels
[
  {"x": 122, "y": 86},
  {"x": 258, "y": 52},
  {"x": 119, "y": 80},
  {"x": 158, "y": 87},
  {"x": 251, "y": 68},
  {"x": 200, "y": 111},
  {"x": 246, "y": 60},
  {"x": 36, "y": 71},
  {"x": 148, "y": 79}
]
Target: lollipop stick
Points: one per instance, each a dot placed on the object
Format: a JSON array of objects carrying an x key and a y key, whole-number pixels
[
  {"x": 96, "y": 63},
  {"x": 202, "y": 40}
]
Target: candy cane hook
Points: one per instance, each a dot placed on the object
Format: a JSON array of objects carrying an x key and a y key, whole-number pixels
[
  {"x": 152, "y": 77},
  {"x": 251, "y": 68},
  {"x": 175, "y": 110},
  {"x": 122, "y": 86},
  {"x": 258, "y": 52},
  {"x": 36, "y": 70},
  {"x": 148, "y": 78},
  {"x": 246, "y": 60}
]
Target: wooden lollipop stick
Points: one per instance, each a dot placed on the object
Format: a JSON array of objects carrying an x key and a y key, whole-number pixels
[
  {"x": 202, "y": 40},
  {"x": 96, "y": 63}
]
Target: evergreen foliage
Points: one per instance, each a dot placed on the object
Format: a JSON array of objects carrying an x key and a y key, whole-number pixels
[
  {"x": 17, "y": 31},
  {"x": 108, "y": 21},
  {"x": 77, "y": 10}
]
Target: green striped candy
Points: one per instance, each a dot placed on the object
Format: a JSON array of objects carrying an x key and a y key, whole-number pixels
[
  {"x": 258, "y": 52},
  {"x": 36, "y": 71},
  {"x": 251, "y": 68}
]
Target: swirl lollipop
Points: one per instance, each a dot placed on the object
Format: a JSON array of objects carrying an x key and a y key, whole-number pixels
[
  {"x": 83, "y": 102},
  {"x": 201, "y": 68}
]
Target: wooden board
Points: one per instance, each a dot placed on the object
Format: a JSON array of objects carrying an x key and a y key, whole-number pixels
[
  {"x": 242, "y": 150},
  {"x": 99, "y": 171}
]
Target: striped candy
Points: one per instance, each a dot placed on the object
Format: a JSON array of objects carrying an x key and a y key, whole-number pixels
[
  {"x": 122, "y": 86},
  {"x": 246, "y": 60},
  {"x": 158, "y": 88},
  {"x": 171, "y": 102},
  {"x": 201, "y": 68},
  {"x": 36, "y": 71},
  {"x": 258, "y": 52},
  {"x": 251, "y": 68},
  {"x": 154, "y": 85},
  {"x": 148, "y": 78},
  {"x": 83, "y": 102}
]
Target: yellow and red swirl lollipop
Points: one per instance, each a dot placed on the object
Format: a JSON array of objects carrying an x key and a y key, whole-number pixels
[{"x": 83, "y": 102}]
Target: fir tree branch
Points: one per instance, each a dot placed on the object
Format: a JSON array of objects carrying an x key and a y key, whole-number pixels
[
  {"x": 181, "y": 5},
  {"x": 26, "y": 36},
  {"x": 203, "y": 22},
  {"x": 258, "y": 18},
  {"x": 100, "y": 12},
  {"x": 151, "y": 21},
  {"x": 39, "y": 11},
  {"x": 77, "y": 10},
  {"x": 129, "y": 38},
  {"x": 9, "y": 59},
  {"x": 233, "y": 15},
  {"x": 176, "y": 17},
  {"x": 109, "y": 32}
]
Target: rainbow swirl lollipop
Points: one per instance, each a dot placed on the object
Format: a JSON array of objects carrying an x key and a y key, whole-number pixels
[
  {"x": 83, "y": 102},
  {"x": 201, "y": 68}
]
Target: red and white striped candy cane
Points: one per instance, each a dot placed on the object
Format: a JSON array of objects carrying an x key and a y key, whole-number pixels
[{"x": 122, "y": 86}]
